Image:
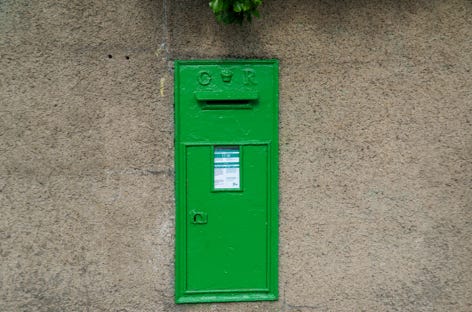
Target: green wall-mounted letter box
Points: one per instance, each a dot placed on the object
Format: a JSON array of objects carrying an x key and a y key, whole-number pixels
[{"x": 226, "y": 159}]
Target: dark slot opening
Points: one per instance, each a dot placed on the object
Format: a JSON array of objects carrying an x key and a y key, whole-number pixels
[{"x": 227, "y": 102}]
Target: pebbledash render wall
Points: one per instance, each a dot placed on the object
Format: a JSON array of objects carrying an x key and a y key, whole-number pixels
[{"x": 375, "y": 151}]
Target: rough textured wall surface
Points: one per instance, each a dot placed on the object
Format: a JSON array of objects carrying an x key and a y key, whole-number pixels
[
  {"x": 375, "y": 153},
  {"x": 86, "y": 157}
]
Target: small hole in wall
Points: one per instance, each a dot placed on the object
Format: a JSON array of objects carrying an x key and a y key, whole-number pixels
[
  {"x": 127, "y": 57},
  {"x": 110, "y": 56}
]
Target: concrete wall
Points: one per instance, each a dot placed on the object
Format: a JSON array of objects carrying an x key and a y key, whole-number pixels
[{"x": 375, "y": 153}]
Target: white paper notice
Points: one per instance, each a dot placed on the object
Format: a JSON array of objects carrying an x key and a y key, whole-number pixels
[{"x": 226, "y": 168}]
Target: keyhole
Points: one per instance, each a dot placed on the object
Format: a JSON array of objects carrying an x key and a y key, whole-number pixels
[{"x": 196, "y": 217}]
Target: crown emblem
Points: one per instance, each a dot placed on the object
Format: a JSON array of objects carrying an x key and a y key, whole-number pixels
[{"x": 226, "y": 75}]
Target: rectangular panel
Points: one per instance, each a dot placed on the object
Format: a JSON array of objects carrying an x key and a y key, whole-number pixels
[
  {"x": 226, "y": 166},
  {"x": 229, "y": 252},
  {"x": 226, "y": 145}
]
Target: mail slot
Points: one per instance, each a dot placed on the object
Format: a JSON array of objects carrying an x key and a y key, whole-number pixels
[{"x": 226, "y": 180}]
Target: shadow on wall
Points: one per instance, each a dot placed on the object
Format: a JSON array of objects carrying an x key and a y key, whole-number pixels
[{"x": 283, "y": 25}]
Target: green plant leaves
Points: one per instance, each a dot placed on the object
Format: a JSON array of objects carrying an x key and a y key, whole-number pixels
[{"x": 235, "y": 11}]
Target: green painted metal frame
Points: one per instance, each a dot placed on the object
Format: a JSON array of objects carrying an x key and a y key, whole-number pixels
[{"x": 181, "y": 294}]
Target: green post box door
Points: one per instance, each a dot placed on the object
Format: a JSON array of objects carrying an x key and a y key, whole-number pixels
[{"x": 226, "y": 146}]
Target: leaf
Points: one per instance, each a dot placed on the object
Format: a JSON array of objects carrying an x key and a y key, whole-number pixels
[
  {"x": 235, "y": 11},
  {"x": 215, "y": 5},
  {"x": 238, "y": 7}
]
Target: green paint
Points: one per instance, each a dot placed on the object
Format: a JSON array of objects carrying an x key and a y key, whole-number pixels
[{"x": 226, "y": 238}]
